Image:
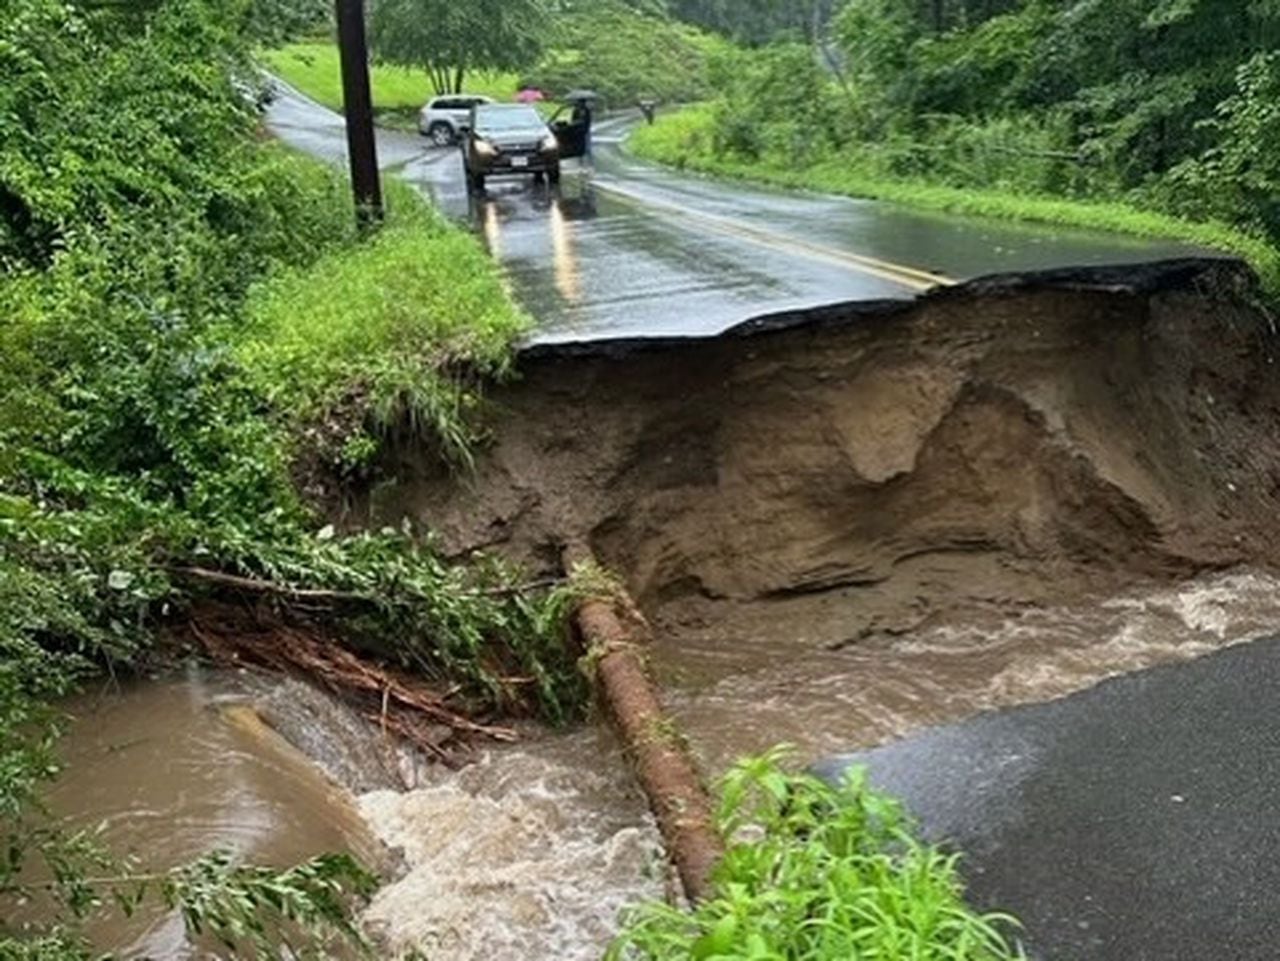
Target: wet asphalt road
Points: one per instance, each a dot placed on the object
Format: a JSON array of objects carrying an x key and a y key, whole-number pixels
[
  {"x": 1137, "y": 821},
  {"x": 632, "y": 250}
]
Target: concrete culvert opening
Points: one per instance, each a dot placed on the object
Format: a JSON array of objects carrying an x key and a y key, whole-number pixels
[{"x": 923, "y": 502}]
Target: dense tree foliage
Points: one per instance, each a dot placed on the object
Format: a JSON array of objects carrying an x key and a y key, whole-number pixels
[
  {"x": 757, "y": 21},
  {"x": 447, "y": 39},
  {"x": 1165, "y": 98},
  {"x": 275, "y": 21},
  {"x": 625, "y": 52},
  {"x": 1166, "y": 104}
]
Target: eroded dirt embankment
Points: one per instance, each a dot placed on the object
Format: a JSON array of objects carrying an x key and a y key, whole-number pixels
[{"x": 1056, "y": 429}]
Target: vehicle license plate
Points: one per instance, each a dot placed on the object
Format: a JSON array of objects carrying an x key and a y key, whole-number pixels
[{"x": 519, "y": 161}]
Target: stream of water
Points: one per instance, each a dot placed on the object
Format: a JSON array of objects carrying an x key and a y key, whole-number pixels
[{"x": 532, "y": 852}]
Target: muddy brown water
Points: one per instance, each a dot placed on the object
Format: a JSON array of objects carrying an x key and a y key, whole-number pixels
[
  {"x": 533, "y": 851},
  {"x": 172, "y": 768},
  {"x": 741, "y": 681},
  {"x": 842, "y": 531},
  {"x": 528, "y": 853}
]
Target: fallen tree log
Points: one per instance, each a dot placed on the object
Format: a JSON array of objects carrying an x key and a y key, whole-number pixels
[{"x": 615, "y": 636}]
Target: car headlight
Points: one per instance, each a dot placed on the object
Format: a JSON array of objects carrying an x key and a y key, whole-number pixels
[
  {"x": 486, "y": 149},
  {"x": 549, "y": 143}
]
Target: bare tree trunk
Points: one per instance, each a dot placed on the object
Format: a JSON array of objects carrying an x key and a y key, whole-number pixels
[
  {"x": 439, "y": 79},
  {"x": 615, "y": 637}
]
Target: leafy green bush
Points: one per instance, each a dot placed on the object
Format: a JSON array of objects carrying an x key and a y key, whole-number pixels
[
  {"x": 816, "y": 872},
  {"x": 683, "y": 138},
  {"x": 181, "y": 308},
  {"x": 1241, "y": 173}
]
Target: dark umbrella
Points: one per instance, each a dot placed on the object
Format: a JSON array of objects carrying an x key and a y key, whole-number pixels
[{"x": 573, "y": 96}]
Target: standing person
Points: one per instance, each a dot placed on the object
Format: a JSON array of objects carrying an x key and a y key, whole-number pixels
[{"x": 582, "y": 118}]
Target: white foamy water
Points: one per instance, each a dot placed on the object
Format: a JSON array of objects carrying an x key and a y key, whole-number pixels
[{"x": 530, "y": 853}]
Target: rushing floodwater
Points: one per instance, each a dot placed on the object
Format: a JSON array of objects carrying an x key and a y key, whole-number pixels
[
  {"x": 754, "y": 691},
  {"x": 174, "y": 768},
  {"x": 531, "y": 853}
]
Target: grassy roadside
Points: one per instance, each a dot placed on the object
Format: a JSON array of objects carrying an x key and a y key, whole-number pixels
[
  {"x": 395, "y": 321},
  {"x": 398, "y": 92},
  {"x": 684, "y": 140}
]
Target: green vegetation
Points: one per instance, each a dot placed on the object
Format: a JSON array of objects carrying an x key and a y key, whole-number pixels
[
  {"x": 1149, "y": 116},
  {"x": 626, "y": 54},
  {"x": 448, "y": 40},
  {"x": 311, "y": 66},
  {"x": 623, "y": 53},
  {"x": 757, "y": 21},
  {"x": 818, "y": 873},
  {"x": 384, "y": 331},
  {"x": 189, "y": 327},
  {"x": 684, "y": 140}
]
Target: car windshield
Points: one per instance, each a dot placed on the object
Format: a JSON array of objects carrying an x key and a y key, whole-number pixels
[{"x": 495, "y": 119}]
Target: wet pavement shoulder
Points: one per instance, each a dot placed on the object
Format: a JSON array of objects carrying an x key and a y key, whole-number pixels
[
  {"x": 1192, "y": 274},
  {"x": 1136, "y": 821}
]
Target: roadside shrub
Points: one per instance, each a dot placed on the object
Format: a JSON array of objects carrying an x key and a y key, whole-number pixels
[
  {"x": 683, "y": 138},
  {"x": 1240, "y": 176},
  {"x": 816, "y": 872}
]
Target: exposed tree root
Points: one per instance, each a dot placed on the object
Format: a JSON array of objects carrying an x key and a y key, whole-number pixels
[
  {"x": 400, "y": 705},
  {"x": 676, "y": 795}
]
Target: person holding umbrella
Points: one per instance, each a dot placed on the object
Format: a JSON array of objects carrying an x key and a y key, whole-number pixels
[{"x": 581, "y": 118}]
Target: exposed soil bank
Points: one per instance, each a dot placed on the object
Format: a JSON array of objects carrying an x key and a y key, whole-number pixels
[
  {"x": 857, "y": 474},
  {"x": 1120, "y": 421}
]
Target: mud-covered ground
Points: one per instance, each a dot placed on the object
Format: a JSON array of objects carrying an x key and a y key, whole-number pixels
[{"x": 877, "y": 476}]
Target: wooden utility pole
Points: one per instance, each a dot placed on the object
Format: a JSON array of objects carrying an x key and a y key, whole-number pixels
[{"x": 357, "y": 103}]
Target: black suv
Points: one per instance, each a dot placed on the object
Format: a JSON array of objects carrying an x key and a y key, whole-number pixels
[{"x": 509, "y": 139}]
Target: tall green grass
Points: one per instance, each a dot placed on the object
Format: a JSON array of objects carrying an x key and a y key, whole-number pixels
[
  {"x": 312, "y": 67},
  {"x": 816, "y": 872},
  {"x": 685, "y": 140},
  {"x": 399, "y": 327}
]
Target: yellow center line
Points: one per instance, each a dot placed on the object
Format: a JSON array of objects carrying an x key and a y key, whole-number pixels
[{"x": 884, "y": 269}]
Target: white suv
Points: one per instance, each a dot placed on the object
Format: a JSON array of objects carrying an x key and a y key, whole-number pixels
[{"x": 444, "y": 117}]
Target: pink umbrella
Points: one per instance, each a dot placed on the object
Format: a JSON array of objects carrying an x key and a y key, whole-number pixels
[{"x": 530, "y": 95}]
